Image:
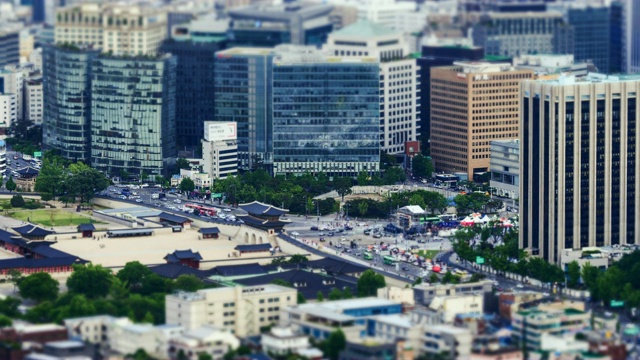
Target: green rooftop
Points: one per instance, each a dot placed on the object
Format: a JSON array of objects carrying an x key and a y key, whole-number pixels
[{"x": 365, "y": 29}]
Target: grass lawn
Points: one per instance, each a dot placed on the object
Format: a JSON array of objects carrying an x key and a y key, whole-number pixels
[
  {"x": 44, "y": 217},
  {"x": 429, "y": 254}
]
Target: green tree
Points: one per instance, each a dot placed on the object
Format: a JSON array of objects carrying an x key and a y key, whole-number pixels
[
  {"x": 133, "y": 275},
  {"x": 416, "y": 199},
  {"x": 422, "y": 166},
  {"x": 335, "y": 343},
  {"x": 52, "y": 177},
  {"x": 187, "y": 185},
  {"x": 204, "y": 356},
  {"x": 9, "y": 306},
  {"x": 46, "y": 197},
  {"x": 5, "y": 321},
  {"x": 300, "y": 298},
  {"x": 39, "y": 287},
  {"x": 346, "y": 293},
  {"x": 11, "y": 185},
  {"x": 90, "y": 280},
  {"x": 140, "y": 354},
  {"x": 573, "y": 274},
  {"x": 342, "y": 186},
  {"x": 17, "y": 201},
  {"x": 363, "y": 178},
  {"x": 85, "y": 181},
  {"x": 319, "y": 297},
  {"x": 434, "y": 201},
  {"x": 297, "y": 259},
  {"x": 369, "y": 283},
  {"x": 449, "y": 278},
  {"x": 182, "y": 163},
  {"x": 14, "y": 276},
  {"x": 433, "y": 278},
  {"x": 335, "y": 294},
  {"x": 189, "y": 283},
  {"x": 387, "y": 161},
  {"x": 393, "y": 175},
  {"x": 363, "y": 208},
  {"x": 611, "y": 284}
]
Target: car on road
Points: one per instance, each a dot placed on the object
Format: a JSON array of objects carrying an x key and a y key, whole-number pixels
[
  {"x": 520, "y": 286},
  {"x": 377, "y": 235},
  {"x": 322, "y": 239},
  {"x": 122, "y": 197},
  {"x": 314, "y": 228},
  {"x": 226, "y": 209},
  {"x": 405, "y": 268},
  {"x": 295, "y": 233},
  {"x": 138, "y": 200}
]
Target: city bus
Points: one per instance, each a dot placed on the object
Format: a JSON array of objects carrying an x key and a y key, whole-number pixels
[
  {"x": 431, "y": 220},
  {"x": 368, "y": 255},
  {"x": 211, "y": 211},
  {"x": 389, "y": 260}
]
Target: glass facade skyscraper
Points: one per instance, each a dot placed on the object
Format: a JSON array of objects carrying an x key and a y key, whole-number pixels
[
  {"x": 243, "y": 94},
  {"x": 133, "y": 114},
  {"x": 325, "y": 113},
  {"x": 66, "y": 90},
  {"x": 591, "y": 41},
  {"x": 195, "y": 90}
]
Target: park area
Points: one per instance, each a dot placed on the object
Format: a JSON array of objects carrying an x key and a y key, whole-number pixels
[{"x": 50, "y": 217}]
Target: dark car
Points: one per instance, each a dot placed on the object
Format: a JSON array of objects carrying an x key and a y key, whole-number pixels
[
  {"x": 314, "y": 228},
  {"x": 331, "y": 233},
  {"x": 405, "y": 268},
  {"x": 322, "y": 239}
]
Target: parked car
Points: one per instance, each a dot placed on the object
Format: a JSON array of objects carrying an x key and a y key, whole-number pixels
[{"x": 314, "y": 228}]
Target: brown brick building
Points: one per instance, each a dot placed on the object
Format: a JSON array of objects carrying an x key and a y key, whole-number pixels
[{"x": 473, "y": 103}]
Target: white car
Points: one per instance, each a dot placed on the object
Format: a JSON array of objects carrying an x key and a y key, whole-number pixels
[
  {"x": 138, "y": 200},
  {"x": 520, "y": 286},
  {"x": 295, "y": 233},
  {"x": 227, "y": 209}
]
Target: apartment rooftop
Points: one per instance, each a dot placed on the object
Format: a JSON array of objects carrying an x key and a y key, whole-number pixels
[
  {"x": 244, "y": 51},
  {"x": 475, "y": 67},
  {"x": 524, "y": 15},
  {"x": 364, "y": 29},
  {"x": 349, "y": 304},
  {"x": 299, "y": 54},
  {"x": 591, "y": 78},
  {"x": 281, "y": 12}
]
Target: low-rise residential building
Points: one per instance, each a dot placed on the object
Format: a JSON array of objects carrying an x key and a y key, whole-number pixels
[
  {"x": 592, "y": 255},
  {"x": 450, "y": 306},
  {"x": 493, "y": 350},
  {"x": 397, "y": 294},
  {"x": 391, "y": 327},
  {"x": 537, "y": 322},
  {"x": 369, "y": 349},
  {"x": 241, "y": 310},
  {"x": 451, "y": 341},
  {"x": 283, "y": 340},
  {"x": 509, "y": 302},
  {"x": 207, "y": 339},
  {"x": 319, "y": 320},
  {"x": 425, "y": 293}
]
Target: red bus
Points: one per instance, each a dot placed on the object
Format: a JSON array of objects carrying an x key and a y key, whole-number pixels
[{"x": 211, "y": 211}]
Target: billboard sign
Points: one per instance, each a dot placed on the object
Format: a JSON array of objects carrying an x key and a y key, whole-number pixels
[{"x": 219, "y": 131}]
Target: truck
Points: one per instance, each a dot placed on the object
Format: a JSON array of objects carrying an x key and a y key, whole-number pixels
[
  {"x": 155, "y": 196},
  {"x": 26, "y": 157}
]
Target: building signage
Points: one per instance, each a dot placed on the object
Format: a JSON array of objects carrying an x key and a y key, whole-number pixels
[{"x": 219, "y": 131}]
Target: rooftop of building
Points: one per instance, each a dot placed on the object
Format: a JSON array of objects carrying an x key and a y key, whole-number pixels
[
  {"x": 591, "y": 78},
  {"x": 138, "y": 58},
  {"x": 523, "y": 14},
  {"x": 349, "y": 304},
  {"x": 281, "y": 12},
  {"x": 398, "y": 320},
  {"x": 299, "y": 54},
  {"x": 364, "y": 29},
  {"x": 511, "y": 142},
  {"x": 535, "y": 312},
  {"x": 244, "y": 51}
]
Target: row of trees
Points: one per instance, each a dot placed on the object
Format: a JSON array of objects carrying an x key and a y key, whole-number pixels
[
  {"x": 68, "y": 181},
  {"x": 621, "y": 281},
  {"x": 502, "y": 253},
  {"x": 134, "y": 291}
]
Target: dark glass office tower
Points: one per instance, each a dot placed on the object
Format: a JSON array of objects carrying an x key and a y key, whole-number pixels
[
  {"x": 195, "y": 90},
  {"x": 66, "y": 91},
  {"x": 591, "y": 26}
]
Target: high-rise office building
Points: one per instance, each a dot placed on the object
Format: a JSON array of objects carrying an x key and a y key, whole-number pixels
[
  {"x": 42, "y": 11},
  {"x": 133, "y": 114},
  {"x": 631, "y": 31},
  {"x": 67, "y": 101},
  {"x": 9, "y": 44},
  {"x": 195, "y": 90},
  {"x": 433, "y": 56},
  {"x": 33, "y": 100},
  {"x": 399, "y": 78},
  {"x": 579, "y": 180},
  {"x": 116, "y": 28},
  {"x": 243, "y": 95},
  {"x": 297, "y": 23},
  {"x": 11, "y": 82},
  {"x": 325, "y": 113},
  {"x": 591, "y": 41},
  {"x": 514, "y": 34},
  {"x": 473, "y": 103},
  {"x": 616, "y": 37}
]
